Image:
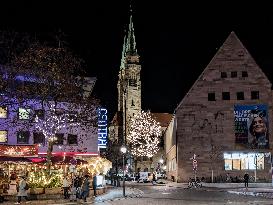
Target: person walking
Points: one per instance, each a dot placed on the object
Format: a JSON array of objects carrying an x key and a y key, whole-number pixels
[
  {"x": 94, "y": 183},
  {"x": 246, "y": 179},
  {"x": 85, "y": 187},
  {"x": 154, "y": 178},
  {"x": 66, "y": 187},
  {"x": 22, "y": 190},
  {"x": 78, "y": 184}
]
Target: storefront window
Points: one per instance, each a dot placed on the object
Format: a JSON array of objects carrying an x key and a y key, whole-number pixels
[
  {"x": 228, "y": 164},
  {"x": 243, "y": 161},
  {"x": 260, "y": 161}
]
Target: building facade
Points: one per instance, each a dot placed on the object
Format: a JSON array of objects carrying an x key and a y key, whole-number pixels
[
  {"x": 222, "y": 126},
  {"x": 19, "y": 124}
]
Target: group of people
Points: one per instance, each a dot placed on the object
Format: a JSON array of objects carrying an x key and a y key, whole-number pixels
[{"x": 78, "y": 188}]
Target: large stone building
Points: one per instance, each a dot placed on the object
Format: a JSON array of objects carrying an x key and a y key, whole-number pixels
[{"x": 214, "y": 126}]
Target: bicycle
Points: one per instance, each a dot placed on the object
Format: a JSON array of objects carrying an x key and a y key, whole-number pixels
[{"x": 194, "y": 184}]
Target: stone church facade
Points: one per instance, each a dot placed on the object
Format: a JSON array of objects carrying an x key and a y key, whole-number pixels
[
  {"x": 212, "y": 122},
  {"x": 129, "y": 101}
]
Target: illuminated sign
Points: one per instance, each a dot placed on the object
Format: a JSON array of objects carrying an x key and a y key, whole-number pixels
[
  {"x": 102, "y": 128},
  {"x": 19, "y": 150}
]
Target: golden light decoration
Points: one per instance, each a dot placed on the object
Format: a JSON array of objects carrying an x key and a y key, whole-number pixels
[
  {"x": 143, "y": 137},
  {"x": 98, "y": 165}
]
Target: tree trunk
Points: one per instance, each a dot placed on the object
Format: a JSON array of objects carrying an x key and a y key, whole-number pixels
[
  {"x": 135, "y": 161},
  {"x": 49, "y": 155}
]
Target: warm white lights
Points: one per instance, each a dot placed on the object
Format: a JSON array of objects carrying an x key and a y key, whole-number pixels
[
  {"x": 123, "y": 149},
  {"x": 144, "y": 135}
]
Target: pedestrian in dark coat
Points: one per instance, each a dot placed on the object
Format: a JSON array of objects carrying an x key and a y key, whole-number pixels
[
  {"x": 246, "y": 178},
  {"x": 85, "y": 187},
  {"x": 95, "y": 185}
]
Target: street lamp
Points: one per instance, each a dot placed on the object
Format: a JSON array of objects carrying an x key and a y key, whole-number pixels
[
  {"x": 123, "y": 150},
  {"x": 161, "y": 161}
]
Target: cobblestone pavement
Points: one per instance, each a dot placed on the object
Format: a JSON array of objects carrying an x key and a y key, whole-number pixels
[
  {"x": 180, "y": 195},
  {"x": 114, "y": 193},
  {"x": 174, "y": 194}
]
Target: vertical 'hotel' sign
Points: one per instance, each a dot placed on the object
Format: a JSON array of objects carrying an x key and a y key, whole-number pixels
[{"x": 102, "y": 128}]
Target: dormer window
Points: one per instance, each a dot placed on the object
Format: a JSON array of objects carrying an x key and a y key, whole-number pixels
[
  {"x": 234, "y": 74},
  {"x": 240, "y": 96},
  {"x": 223, "y": 74},
  {"x": 211, "y": 96},
  {"x": 244, "y": 74}
]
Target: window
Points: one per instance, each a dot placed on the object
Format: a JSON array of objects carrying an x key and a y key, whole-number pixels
[
  {"x": 234, "y": 74},
  {"x": 133, "y": 104},
  {"x": 223, "y": 75},
  {"x": 38, "y": 138},
  {"x": 72, "y": 139},
  {"x": 240, "y": 96},
  {"x": 3, "y": 136},
  {"x": 23, "y": 137},
  {"x": 24, "y": 114},
  {"x": 225, "y": 96},
  {"x": 211, "y": 96},
  {"x": 133, "y": 82},
  {"x": 3, "y": 112},
  {"x": 40, "y": 113},
  {"x": 59, "y": 139},
  {"x": 244, "y": 161},
  {"x": 244, "y": 74},
  {"x": 254, "y": 95}
]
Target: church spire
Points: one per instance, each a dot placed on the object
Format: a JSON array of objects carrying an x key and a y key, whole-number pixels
[
  {"x": 129, "y": 44},
  {"x": 131, "y": 40}
]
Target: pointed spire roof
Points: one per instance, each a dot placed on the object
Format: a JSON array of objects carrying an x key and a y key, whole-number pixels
[
  {"x": 131, "y": 40},
  {"x": 129, "y": 43}
]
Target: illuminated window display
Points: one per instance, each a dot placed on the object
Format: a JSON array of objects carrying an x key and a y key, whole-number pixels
[
  {"x": 243, "y": 161},
  {"x": 24, "y": 114},
  {"x": 3, "y": 112},
  {"x": 3, "y": 136}
]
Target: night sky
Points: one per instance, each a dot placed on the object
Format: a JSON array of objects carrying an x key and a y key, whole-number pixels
[{"x": 175, "y": 42}]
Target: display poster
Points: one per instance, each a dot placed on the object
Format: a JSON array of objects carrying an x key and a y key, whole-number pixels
[{"x": 251, "y": 125}]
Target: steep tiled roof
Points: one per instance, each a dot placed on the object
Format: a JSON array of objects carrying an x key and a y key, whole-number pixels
[
  {"x": 163, "y": 118},
  {"x": 117, "y": 119}
]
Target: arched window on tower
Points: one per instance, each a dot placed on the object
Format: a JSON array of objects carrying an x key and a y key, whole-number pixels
[{"x": 133, "y": 104}]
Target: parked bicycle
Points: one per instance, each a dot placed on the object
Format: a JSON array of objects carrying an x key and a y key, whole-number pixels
[{"x": 194, "y": 184}]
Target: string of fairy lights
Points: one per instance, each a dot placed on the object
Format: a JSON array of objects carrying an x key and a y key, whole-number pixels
[
  {"x": 54, "y": 123},
  {"x": 143, "y": 136}
]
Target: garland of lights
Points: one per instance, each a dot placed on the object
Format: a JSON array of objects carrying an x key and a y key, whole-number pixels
[
  {"x": 144, "y": 134},
  {"x": 53, "y": 123}
]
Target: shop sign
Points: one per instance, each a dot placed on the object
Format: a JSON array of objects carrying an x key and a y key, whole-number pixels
[
  {"x": 102, "y": 128},
  {"x": 19, "y": 150}
]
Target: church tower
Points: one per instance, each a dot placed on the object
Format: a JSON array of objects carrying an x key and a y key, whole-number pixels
[{"x": 129, "y": 84}]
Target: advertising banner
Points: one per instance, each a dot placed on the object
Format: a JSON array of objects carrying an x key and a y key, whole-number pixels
[{"x": 251, "y": 125}]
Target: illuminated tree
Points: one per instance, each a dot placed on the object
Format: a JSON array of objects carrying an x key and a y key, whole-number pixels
[
  {"x": 51, "y": 125},
  {"x": 144, "y": 132}
]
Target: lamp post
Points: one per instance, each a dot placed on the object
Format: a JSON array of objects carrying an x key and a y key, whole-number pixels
[{"x": 123, "y": 150}]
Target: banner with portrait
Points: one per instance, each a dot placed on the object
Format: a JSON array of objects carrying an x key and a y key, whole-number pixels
[{"x": 251, "y": 125}]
